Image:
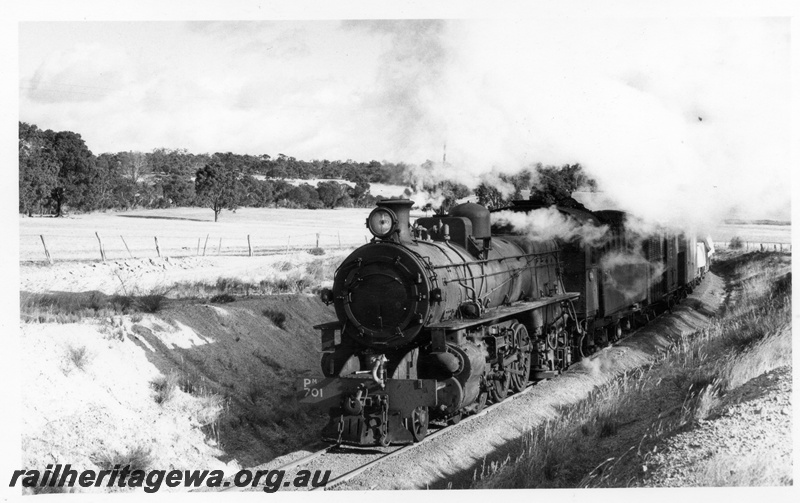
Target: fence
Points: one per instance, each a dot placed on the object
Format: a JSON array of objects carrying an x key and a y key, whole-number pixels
[
  {"x": 756, "y": 246},
  {"x": 97, "y": 246}
]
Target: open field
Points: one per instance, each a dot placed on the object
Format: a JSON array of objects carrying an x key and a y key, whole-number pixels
[
  {"x": 183, "y": 232},
  {"x": 191, "y": 231},
  {"x": 753, "y": 233}
]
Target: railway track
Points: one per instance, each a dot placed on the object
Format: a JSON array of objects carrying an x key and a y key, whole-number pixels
[{"x": 358, "y": 460}]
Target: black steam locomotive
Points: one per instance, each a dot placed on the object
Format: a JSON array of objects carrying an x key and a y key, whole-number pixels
[{"x": 436, "y": 319}]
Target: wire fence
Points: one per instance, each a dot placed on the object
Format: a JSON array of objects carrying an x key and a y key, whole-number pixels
[
  {"x": 755, "y": 246},
  {"x": 60, "y": 247},
  {"x": 91, "y": 247}
]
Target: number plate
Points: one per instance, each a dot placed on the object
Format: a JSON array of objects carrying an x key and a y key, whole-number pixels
[{"x": 312, "y": 389}]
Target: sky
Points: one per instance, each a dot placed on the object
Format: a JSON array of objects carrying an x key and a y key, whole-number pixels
[{"x": 679, "y": 118}]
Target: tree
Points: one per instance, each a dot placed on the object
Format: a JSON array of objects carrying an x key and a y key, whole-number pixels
[
  {"x": 178, "y": 191},
  {"x": 38, "y": 169},
  {"x": 217, "y": 187},
  {"x": 302, "y": 196},
  {"x": 77, "y": 175},
  {"x": 332, "y": 193},
  {"x": 490, "y": 196},
  {"x": 360, "y": 192},
  {"x": 555, "y": 184},
  {"x": 452, "y": 192},
  {"x": 113, "y": 189}
]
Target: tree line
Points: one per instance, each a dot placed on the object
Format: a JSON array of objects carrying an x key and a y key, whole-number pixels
[{"x": 58, "y": 172}]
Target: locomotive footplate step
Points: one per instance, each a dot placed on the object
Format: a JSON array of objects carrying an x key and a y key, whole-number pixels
[{"x": 504, "y": 311}]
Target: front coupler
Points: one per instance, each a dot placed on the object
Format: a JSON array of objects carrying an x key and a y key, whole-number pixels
[{"x": 362, "y": 412}]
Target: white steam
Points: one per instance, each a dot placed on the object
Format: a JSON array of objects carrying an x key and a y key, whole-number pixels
[
  {"x": 666, "y": 123},
  {"x": 549, "y": 223}
]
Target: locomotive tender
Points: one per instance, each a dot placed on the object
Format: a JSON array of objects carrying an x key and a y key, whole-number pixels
[{"x": 436, "y": 319}]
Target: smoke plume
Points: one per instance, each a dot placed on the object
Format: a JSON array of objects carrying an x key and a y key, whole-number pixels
[
  {"x": 549, "y": 223},
  {"x": 666, "y": 124}
]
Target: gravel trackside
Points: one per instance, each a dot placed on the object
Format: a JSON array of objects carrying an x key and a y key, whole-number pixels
[{"x": 754, "y": 427}]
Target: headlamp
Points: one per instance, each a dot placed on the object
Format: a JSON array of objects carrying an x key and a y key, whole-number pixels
[{"x": 382, "y": 222}]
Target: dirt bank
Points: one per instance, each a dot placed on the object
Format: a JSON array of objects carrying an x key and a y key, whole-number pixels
[{"x": 223, "y": 373}]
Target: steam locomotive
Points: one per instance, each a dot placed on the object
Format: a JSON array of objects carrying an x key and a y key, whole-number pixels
[{"x": 436, "y": 319}]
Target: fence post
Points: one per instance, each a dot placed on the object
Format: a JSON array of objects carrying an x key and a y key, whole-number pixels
[
  {"x": 158, "y": 250},
  {"x": 102, "y": 252},
  {"x": 249, "y": 247},
  {"x": 126, "y": 246},
  {"x": 219, "y": 247},
  {"x": 205, "y": 244},
  {"x": 318, "y": 240},
  {"x": 287, "y": 243},
  {"x": 198, "y": 247},
  {"x": 339, "y": 236},
  {"x": 46, "y": 251}
]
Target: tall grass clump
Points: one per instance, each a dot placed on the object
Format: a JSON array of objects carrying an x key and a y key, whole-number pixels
[
  {"x": 73, "y": 307},
  {"x": 78, "y": 355},
  {"x": 136, "y": 458},
  {"x": 165, "y": 387}
]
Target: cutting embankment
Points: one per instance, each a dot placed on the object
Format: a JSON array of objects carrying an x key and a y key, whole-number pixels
[{"x": 165, "y": 383}]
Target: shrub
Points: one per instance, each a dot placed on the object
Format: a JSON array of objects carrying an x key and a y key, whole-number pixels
[
  {"x": 736, "y": 243},
  {"x": 138, "y": 458},
  {"x": 165, "y": 387},
  {"x": 151, "y": 303},
  {"x": 79, "y": 356},
  {"x": 222, "y": 298},
  {"x": 316, "y": 251},
  {"x": 277, "y": 318}
]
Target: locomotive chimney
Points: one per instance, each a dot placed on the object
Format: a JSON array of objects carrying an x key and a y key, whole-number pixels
[{"x": 401, "y": 208}]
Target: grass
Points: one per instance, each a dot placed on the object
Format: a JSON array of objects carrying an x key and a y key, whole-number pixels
[
  {"x": 78, "y": 355},
  {"x": 204, "y": 405},
  {"x": 165, "y": 387},
  {"x": 284, "y": 278},
  {"x": 74, "y": 307},
  {"x": 580, "y": 448},
  {"x": 137, "y": 458}
]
